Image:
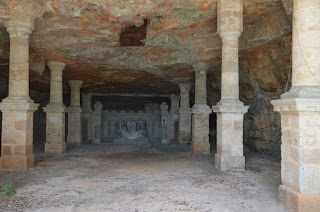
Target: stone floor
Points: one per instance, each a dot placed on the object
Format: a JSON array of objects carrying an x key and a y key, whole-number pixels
[{"x": 141, "y": 178}]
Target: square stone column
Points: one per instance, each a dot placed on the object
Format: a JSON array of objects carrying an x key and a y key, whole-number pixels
[
  {"x": 201, "y": 111},
  {"x": 96, "y": 123},
  {"x": 74, "y": 114},
  {"x": 200, "y": 129},
  {"x": 300, "y": 114},
  {"x": 165, "y": 124},
  {"x": 229, "y": 154},
  {"x": 300, "y": 153},
  {"x": 230, "y": 109},
  {"x": 185, "y": 114},
  {"x": 55, "y": 111},
  {"x": 174, "y": 114},
  {"x": 86, "y": 115},
  {"x": 17, "y": 109}
]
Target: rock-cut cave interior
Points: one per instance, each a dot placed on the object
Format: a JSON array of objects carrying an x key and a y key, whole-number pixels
[{"x": 160, "y": 105}]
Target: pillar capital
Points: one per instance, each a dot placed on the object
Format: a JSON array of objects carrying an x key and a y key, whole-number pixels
[
  {"x": 75, "y": 84},
  {"x": 201, "y": 68},
  {"x": 184, "y": 87},
  {"x": 229, "y": 36},
  {"x": 19, "y": 28},
  {"x": 56, "y": 66}
]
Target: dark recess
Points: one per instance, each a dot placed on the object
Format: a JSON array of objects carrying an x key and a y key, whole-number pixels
[{"x": 134, "y": 36}]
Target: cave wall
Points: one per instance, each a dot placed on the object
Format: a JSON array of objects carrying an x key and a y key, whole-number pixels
[{"x": 264, "y": 77}]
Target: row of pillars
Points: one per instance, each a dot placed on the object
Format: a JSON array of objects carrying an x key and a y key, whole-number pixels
[
  {"x": 299, "y": 108},
  {"x": 18, "y": 108},
  {"x": 55, "y": 111}
]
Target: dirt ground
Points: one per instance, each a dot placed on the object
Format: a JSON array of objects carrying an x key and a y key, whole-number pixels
[{"x": 141, "y": 178}]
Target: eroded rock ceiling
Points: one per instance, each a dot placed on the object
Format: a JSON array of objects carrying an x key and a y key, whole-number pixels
[{"x": 160, "y": 40}]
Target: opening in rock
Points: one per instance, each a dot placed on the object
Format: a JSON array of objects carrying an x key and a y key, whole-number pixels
[{"x": 134, "y": 36}]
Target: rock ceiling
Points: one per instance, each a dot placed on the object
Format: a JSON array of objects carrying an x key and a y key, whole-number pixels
[{"x": 160, "y": 40}]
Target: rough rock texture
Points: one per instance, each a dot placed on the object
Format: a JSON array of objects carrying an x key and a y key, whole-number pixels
[{"x": 179, "y": 33}]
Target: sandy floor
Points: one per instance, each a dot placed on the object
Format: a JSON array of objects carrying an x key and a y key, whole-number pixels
[{"x": 141, "y": 178}]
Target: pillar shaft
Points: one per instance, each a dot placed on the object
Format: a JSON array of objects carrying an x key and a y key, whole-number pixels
[
  {"x": 230, "y": 66},
  {"x": 201, "y": 83},
  {"x": 306, "y": 43},
  {"x": 74, "y": 114},
  {"x": 19, "y": 58},
  {"x": 55, "y": 111},
  {"x": 185, "y": 114},
  {"x": 56, "y": 92},
  {"x": 17, "y": 109},
  {"x": 201, "y": 112},
  {"x": 86, "y": 116},
  {"x": 75, "y": 86},
  {"x": 174, "y": 117},
  {"x": 184, "y": 93},
  {"x": 96, "y": 123},
  {"x": 230, "y": 109},
  {"x": 300, "y": 114},
  {"x": 174, "y": 103}
]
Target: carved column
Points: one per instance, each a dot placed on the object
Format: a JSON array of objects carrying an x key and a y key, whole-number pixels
[
  {"x": 300, "y": 114},
  {"x": 17, "y": 109},
  {"x": 86, "y": 116},
  {"x": 96, "y": 119},
  {"x": 230, "y": 109},
  {"x": 74, "y": 114},
  {"x": 201, "y": 111},
  {"x": 165, "y": 124},
  {"x": 185, "y": 114},
  {"x": 55, "y": 111},
  {"x": 174, "y": 113}
]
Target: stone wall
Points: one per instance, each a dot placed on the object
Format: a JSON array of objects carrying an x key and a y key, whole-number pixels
[{"x": 110, "y": 120}]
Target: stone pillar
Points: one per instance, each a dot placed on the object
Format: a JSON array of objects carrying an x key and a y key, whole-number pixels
[
  {"x": 174, "y": 114},
  {"x": 165, "y": 124},
  {"x": 86, "y": 115},
  {"x": 230, "y": 109},
  {"x": 55, "y": 111},
  {"x": 96, "y": 119},
  {"x": 201, "y": 112},
  {"x": 300, "y": 114},
  {"x": 74, "y": 114},
  {"x": 17, "y": 109},
  {"x": 185, "y": 114}
]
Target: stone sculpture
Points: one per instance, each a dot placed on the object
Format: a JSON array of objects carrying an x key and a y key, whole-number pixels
[{"x": 131, "y": 132}]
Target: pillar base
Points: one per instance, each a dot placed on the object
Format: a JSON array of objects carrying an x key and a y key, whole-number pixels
[
  {"x": 230, "y": 135},
  {"x": 297, "y": 202},
  {"x": 23, "y": 162},
  {"x": 17, "y": 133},
  {"x": 300, "y": 123},
  {"x": 55, "y": 148},
  {"x": 229, "y": 163}
]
